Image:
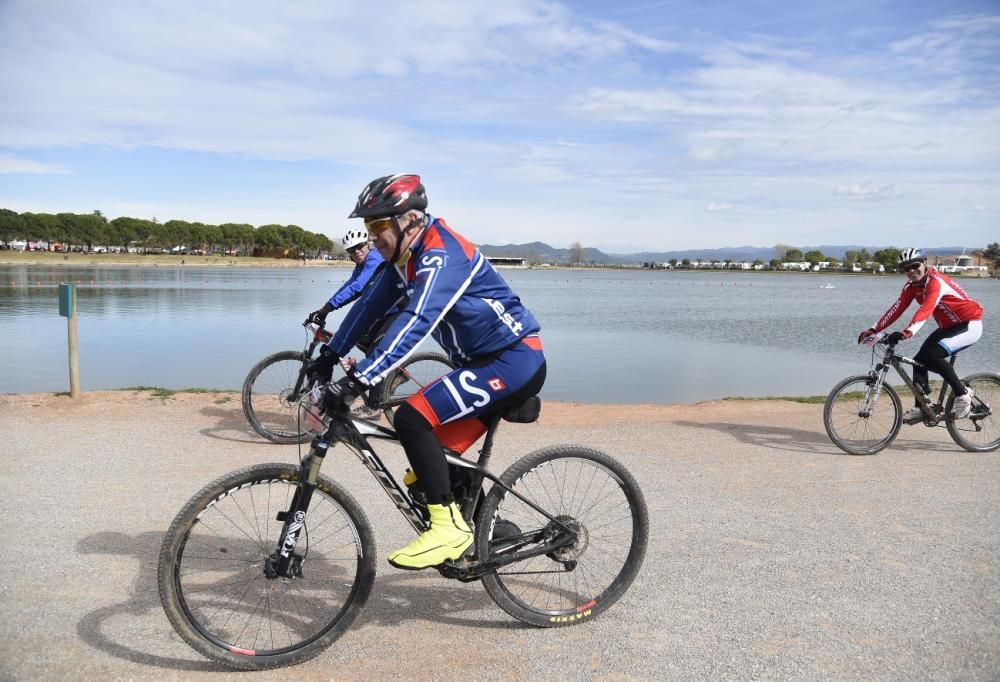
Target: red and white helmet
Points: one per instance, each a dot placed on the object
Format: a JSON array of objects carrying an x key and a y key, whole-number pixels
[
  {"x": 354, "y": 238},
  {"x": 390, "y": 195}
]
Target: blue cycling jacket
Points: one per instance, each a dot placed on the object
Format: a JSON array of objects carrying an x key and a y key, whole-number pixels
[
  {"x": 352, "y": 288},
  {"x": 454, "y": 293}
]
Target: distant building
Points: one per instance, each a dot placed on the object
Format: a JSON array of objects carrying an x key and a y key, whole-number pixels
[
  {"x": 506, "y": 262},
  {"x": 964, "y": 265}
]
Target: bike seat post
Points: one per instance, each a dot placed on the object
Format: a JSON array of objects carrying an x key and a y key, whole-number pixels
[{"x": 491, "y": 428}]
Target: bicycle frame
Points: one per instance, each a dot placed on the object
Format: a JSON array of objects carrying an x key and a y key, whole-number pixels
[
  {"x": 933, "y": 412},
  {"x": 354, "y": 433}
]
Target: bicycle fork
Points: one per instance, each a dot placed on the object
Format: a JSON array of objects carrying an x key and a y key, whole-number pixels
[
  {"x": 284, "y": 562},
  {"x": 872, "y": 393}
]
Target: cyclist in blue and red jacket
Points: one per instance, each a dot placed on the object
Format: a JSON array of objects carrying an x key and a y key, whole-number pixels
[
  {"x": 453, "y": 294},
  {"x": 366, "y": 262}
]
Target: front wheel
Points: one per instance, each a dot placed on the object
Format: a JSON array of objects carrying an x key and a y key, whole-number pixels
[
  {"x": 588, "y": 492},
  {"x": 271, "y": 393},
  {"x": 980, "y": 431},
  {"x": 216, "y": 577},
  {"x": 859, "y": 419}
]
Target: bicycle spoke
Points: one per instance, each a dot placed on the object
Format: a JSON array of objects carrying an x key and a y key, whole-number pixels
[
  {"x": 588, "y": 497},
  {"x": 222, "y": 579}
]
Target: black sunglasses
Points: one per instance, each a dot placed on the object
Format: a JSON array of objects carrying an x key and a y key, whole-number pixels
[
  {"x": 356, "y": 248},
  {"x": 911, "y": 268}
]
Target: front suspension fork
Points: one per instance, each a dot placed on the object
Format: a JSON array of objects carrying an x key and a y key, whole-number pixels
[{"x": 284, "y": 562}]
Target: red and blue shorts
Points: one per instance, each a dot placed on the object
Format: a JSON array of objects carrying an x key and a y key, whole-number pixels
[{"x": 494, "y": 383}]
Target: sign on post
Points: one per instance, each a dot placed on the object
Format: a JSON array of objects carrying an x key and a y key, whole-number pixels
[
  {"x": 67, "y": 308},
  {"x": 67, "y": 300}
]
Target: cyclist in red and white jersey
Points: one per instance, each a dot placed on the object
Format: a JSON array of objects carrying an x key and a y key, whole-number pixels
[{"x": 959, "y": 320}]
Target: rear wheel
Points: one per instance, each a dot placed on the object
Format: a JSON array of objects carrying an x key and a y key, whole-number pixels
[
  {"x": 859, "y": 420},
  {"x": 214, "y": 565},
  {"x": 419, "y": 371},
  {"x": 586, "y": 491},
  {"x": 980, "y": 431}
]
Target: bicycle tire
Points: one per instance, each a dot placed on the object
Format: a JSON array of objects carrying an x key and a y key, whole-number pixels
[
  {"x": 418, "y": 371},
  {"x": 978, "y": 433},
  {"x": 266, "y": 402},
  {"x": 852, "y": 432},
  {"x": 603, "y": 501},
  {"x": 208, "y": 560}
]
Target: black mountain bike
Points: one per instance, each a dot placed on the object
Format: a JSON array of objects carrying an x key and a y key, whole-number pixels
[
  {"x": 276, "y": 384},
  {"x": 269, "y": 565},
  {"x": 863, "y": 414}
]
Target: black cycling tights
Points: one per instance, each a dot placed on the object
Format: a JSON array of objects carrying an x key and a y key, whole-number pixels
[
  {"x": 425, "y": 453},
  {"x": 935, "y": 358}
]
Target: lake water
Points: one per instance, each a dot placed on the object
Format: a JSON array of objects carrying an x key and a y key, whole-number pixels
[{"x": 609, "y": 336}]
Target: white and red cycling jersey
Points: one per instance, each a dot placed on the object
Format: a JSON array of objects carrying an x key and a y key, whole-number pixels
[{"x": 937, "y": 295}]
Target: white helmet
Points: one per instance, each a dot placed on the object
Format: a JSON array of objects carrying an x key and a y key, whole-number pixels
[{"x": 355, "y": 238}]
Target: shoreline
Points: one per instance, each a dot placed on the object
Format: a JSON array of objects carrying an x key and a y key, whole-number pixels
[
  {"x": 113, "y": 260},
  {"x": 227, "y": 395}
]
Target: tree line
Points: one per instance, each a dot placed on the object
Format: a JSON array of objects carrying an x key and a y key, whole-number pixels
[
  {"x": 888, "y": 257},
  {"x": 93, "y": 230}
]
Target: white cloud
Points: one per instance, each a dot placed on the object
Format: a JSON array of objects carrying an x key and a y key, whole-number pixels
[
  {"x": 527, "y": 100},
  {"x": 867, "y": 192},
  {"x": 13, "y": 165}
]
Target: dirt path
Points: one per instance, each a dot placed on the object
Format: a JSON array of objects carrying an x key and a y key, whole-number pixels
[{"x": 772, "y": 555}]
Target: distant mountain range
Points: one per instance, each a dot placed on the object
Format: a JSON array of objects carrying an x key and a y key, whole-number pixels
[{"x": 543, "y": 253}]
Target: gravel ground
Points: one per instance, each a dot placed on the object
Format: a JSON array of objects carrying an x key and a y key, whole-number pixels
[{"x": 772, "y": 555}]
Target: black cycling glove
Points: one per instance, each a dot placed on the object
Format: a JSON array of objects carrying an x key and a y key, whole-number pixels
[
  {"x": 321, "y": 369},
  {"x": 319, "y": 316}
]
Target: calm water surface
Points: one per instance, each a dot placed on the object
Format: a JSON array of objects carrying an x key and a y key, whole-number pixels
[{"x": 609, "y": 336}]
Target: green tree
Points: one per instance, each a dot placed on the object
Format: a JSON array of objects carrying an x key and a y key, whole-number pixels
[
  {"x": 673, "y": 262},
  {"x": 793, "y": 255},
  {"x": 851, "y": 257},
  {"x": 577, "y": 255},
  {"x": 814, "y": 256},
  {"x": 775, "y": 263},
  {"x": 176, "y": 233},
  {"x": 11, "y": 225},
  {"x": 889, "y": 257}
]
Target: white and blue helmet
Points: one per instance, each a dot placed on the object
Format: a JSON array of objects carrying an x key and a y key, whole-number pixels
[{"x": 911, "y": 256}]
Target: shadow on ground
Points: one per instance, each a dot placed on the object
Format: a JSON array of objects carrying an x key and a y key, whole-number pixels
[
  {"x": 231, "y": 424},
  {"x": 773, "y": 437},
  {"x": 396, "y": 599},
  {"x": 801, "y": 440}
]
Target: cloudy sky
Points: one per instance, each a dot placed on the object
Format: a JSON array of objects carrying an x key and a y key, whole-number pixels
[{"x": 629, "y": 125}]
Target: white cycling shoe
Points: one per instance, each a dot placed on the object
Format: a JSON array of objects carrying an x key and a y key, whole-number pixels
[
  {"x": 962, "y": 406},
  {"x": 914, "y": 414}
]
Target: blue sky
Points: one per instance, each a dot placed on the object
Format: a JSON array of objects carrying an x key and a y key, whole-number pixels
[{"x": 626, "y": 126}]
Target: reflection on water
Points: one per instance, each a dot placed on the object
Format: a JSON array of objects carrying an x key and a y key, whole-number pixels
[{"x": 609, "y": 336}]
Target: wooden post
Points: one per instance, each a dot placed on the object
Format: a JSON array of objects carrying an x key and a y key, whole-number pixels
[
  {"x": 67, "y": 308},
  {"x": 74, "y": 360}
]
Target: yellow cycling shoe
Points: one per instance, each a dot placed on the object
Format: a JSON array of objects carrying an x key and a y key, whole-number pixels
[{"x": 447, "y": 539}]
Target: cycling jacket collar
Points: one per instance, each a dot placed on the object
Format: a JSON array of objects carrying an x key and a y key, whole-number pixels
[{"x": 415, "y": 243}]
